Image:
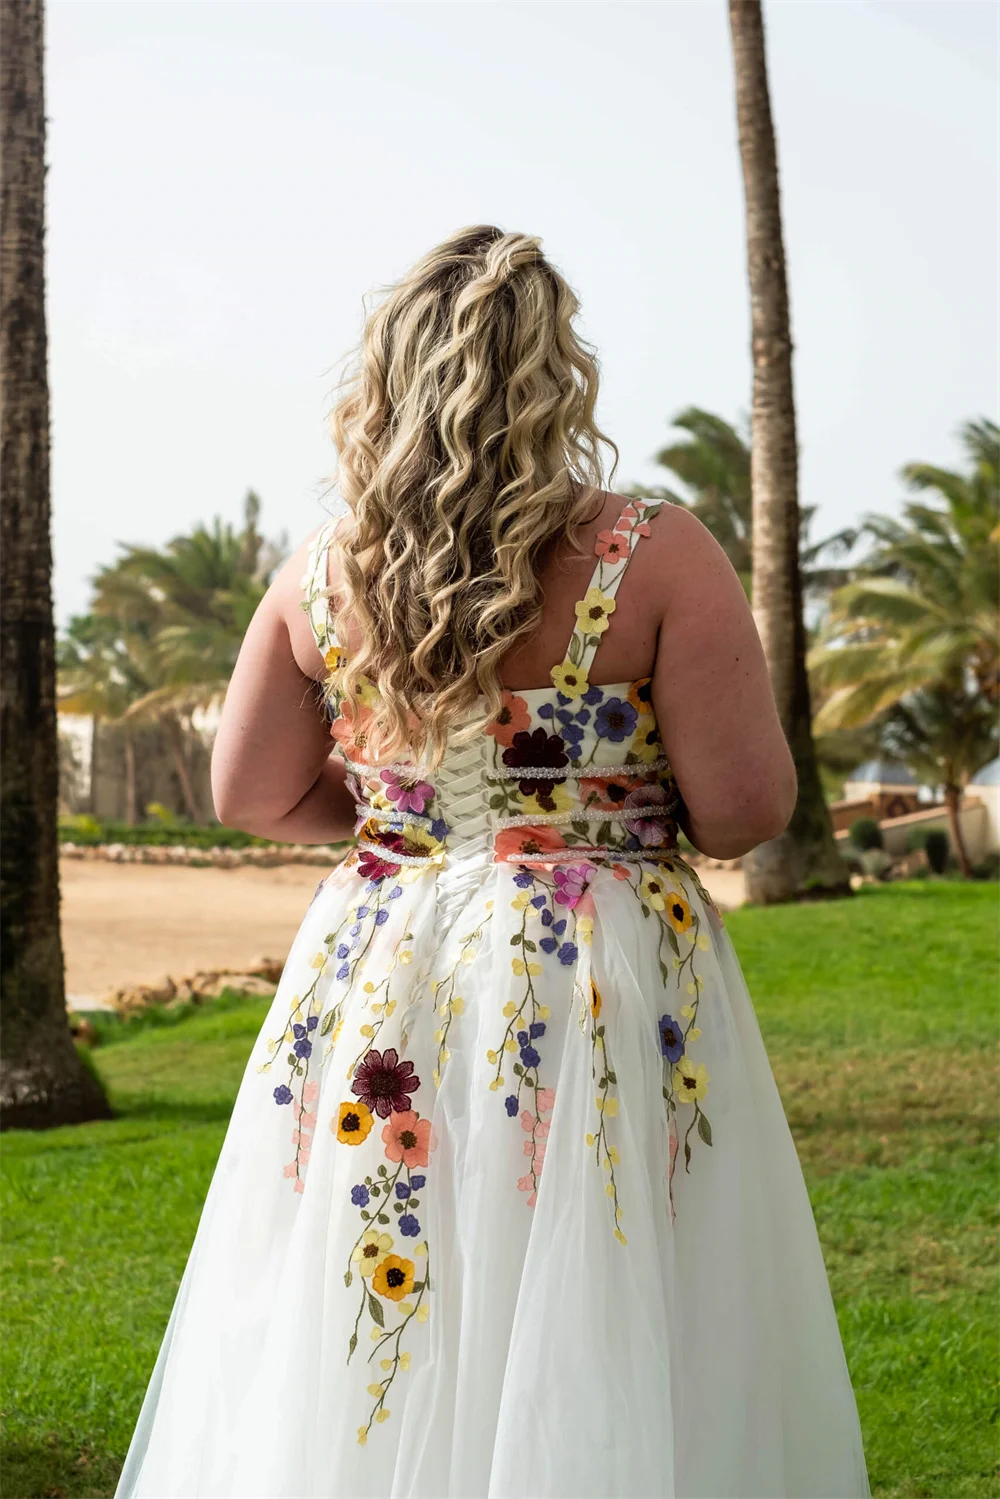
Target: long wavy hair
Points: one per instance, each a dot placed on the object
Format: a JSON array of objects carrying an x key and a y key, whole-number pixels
[{"x": 466, "y": 451}]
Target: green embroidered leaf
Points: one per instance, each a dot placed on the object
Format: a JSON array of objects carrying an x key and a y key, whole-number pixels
[
  {"x": 704, "y": 1129},
  {"x": 644, "y": 909},
  {"x": 292, "y": 1059},
  {"x": 412, "y": 1202},
  {"x": 529, "y": 946},
  {"x": 328, "y": 1021},
  {"x": 365, "y": 1214},
  {"x": 381, "y": 1171},
  {"x": 383, "y": 1217},
  {"x": 664, "y": 972},
  {"x": 612, "y": 1079},
  {"x": 666, "y": 1094},
  {"x": 603, "y": 833},
  {"x": 397, "y": 1207},
  {"x": 672, "y": 939},
  {"x": 348, "y": 1277},
  {"x": 352, "y": 1344},
  {"x": 375, "y": 1310},
  {"x": 517, "y": 939},
  {"x": 603, "y": 1083},
  {"x": 498, "y": 801},
  {"x": 580, "y": 827},
  {"x": 687, "y": 1155},
  {"x": 518, "y": 1069},
  {"x": 329, "y": 938},
  {"x": 600, "y": 1030},
  {"x": 575, "y": 649},
  {"x": 528, "y": 1082}
]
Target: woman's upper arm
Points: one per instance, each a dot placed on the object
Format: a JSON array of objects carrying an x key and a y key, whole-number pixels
[
  {"x": 713, "y": 699},
  {"x": 273, "y": 738}
]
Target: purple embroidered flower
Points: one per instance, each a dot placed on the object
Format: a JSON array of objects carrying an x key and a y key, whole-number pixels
[
  {"x": 548, "y": 944},
  {"x": 647, "y": 805},
  {"x": 567, "y": 953},
  {"x": 539, "y": 902},
  {"x": 571, "y": 882},
  {"x": 402, "y": 1191},
  {"x": 396, "y": 890},
  {"x": 408, "y": 1225},
  {"x": 343, "y": 950},
  {"x": 381, "y": 917},
  {"x": 671, "y": 1038},
  {"x": 385, "y": 1083},
  {"x": 312, "y": 1022},
  {"x": 529, "y": 1056},
  {"x": 593, "y": 695},
  {"x": 510, "y": 1104},
  {"x": 360, "y": 1196},
  {"x": 303, "y": 1048},
  {"x": 416, "y": 1182},
  {"x": 282, "y": 1094},
  {"x": 343, "y": 970},
  {"x": 524, "y": 879},
  {"x": 616, "y": 719},
  {"x": 439, "y": 829},
  {"x": 407, "y": 792},
  {"x": 361, "y": 912},
  {"x": 546, "y": 710},
  {"x": 536, "y": 1029}
]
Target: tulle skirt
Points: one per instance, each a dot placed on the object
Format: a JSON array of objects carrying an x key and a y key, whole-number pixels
[{"x": 508, "y": 1211}]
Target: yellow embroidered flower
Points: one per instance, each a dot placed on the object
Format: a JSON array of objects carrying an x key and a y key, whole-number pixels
[
  {"x": 679, "y": 912},
  {"x": 690, "y": 1080},
  {"x": 393, "y": 1277},
  {"x": 647, "y": 745},
  {"x": 335, "y": 659},
  {"x": 592, "y": 612},
  {"x": 640, "y": 695},
  {"x": 362, "y": 1435},
  {"x": 372, "y": 1246},
  {"x": 419, "y": 841},
  {"x": 571, "y": 680},
  {"x": 520, "y": 967},
  {"x": 585, "y": 929},
  {"x": 654, "y": 890},
  {"x": 365, "y": 693},
  {"x": 353, "y": 1123},
  {"x": 559, "y": 799}
]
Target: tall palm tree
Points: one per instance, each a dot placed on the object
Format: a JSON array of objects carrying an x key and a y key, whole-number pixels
[
  {"x": 804, "y": 859},
  {"x": 712, "y": 461},
  {"x": 98, "y": 677},
  {"x": 43, "y": 1081}
]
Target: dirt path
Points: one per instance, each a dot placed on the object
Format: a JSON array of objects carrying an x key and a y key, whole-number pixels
[{"x": 133, "y": 923}]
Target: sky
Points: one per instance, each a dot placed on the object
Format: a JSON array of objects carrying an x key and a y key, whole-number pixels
[{"x": 228, "y": 179}]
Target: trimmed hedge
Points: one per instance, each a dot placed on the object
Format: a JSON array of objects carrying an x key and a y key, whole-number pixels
[{"x": 91, "y": 832}]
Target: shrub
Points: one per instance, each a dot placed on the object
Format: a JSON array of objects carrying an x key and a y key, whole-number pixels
[
  {"x": 876, "y": 862},
  {"x": 937, "y": 848},
  {"x": 90, "y": 831},
  {"x": 865, "y": 833}
]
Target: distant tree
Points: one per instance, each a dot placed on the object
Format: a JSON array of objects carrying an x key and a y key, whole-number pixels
[
  {"x": 804, "y": 859},
  {"x": 43, "y": 1080}
]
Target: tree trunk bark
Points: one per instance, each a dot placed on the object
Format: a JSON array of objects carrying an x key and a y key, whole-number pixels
[
  {"x": 95, "y": 739},
  {"x": 130, "y": 796},
  {"x": 176, "y": 734},
  {"x": 804, "y": 860},
  {"x": 43, "y": 1080},
  {"x": 952, "y": 801}
]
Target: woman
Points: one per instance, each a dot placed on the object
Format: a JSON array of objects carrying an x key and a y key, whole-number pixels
[{"x": 508, "y": 1205}]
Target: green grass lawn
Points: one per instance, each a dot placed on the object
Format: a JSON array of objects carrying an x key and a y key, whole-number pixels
[{"x": 880, "y": 1016}]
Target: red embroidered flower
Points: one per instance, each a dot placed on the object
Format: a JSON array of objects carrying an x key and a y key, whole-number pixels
[{"x": 384, "y": 1083}]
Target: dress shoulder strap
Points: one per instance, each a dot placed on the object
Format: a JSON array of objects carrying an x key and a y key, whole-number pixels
[
  {"x": 315, "y": 593},
  {"x": 614, "y": 551}
]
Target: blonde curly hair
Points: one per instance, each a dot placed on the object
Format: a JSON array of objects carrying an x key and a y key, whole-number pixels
[{"x": 466, "y": 450}]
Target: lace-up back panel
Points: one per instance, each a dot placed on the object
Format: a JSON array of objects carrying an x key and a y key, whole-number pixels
[{"x": 563, "y": 772}]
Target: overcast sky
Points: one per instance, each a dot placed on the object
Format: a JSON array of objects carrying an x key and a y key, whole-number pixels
[{"x": 227, "y": 179}]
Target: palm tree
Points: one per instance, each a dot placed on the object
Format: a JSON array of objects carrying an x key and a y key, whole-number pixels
[
  {"x": 712, "y": 463},
  {"x": 99, "y": 678},
  {"x": 923, "y": 610},
  {"x": 944, "y": 736},
  {"x": 804, "y": 859},
  {"x": 43, "y": 1080}
]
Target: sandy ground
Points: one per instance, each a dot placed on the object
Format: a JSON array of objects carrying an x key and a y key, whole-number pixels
[{"x": 133, "y": 923}]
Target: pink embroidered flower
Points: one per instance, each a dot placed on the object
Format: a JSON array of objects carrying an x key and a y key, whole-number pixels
[
  {"x": 310, "y": 1093},
  {"x": 545, "y": 1098},
  {"x": 647, "y": 822},
  {"x": 611, "y": 545},
  {"x": 642, "y": 529},
  {"x": 620, "y": 871},
  {"x": 526, "y": 842},
  {"x": 408, "y": 792},
  {"x": 571, "y": 883},
  {"x": 407, "y": 1138},
  {"x": 350, "y": 729}
]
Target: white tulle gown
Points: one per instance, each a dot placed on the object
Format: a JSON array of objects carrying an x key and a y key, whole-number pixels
[{"x": 508, "y": 1205}]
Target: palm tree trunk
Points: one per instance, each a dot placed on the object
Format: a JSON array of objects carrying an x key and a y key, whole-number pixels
[
  {"x": 804, "y": 860},
  {"x": 952, "y": 801},
  {"x": 42, "y": 1078},
  {"x": 130, "y": 796},
  {"x": 95, "y": 726},
  {"x": 175, "y": 732}
]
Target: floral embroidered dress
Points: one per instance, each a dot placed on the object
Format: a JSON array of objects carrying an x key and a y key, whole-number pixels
[{"x": 508, "y": 1205}]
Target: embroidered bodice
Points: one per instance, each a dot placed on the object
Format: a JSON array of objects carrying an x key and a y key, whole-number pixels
[{"x": 565, "y": 772}]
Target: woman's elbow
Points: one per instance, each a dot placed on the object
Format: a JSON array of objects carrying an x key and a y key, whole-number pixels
[{"x": 756, "y": 814}]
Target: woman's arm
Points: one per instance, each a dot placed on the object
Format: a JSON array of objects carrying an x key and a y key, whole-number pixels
[
  {"x": 712, "y": 696},
  {"x": 271, "y": 768}
]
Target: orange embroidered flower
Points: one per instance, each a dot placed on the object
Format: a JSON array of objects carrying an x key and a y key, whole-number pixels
[
  {"x": 393, "y": 1277},
  {"x": 353, "y": 1123},
  {"x": 620, "y": 871},
  {"x": 595, "y": 999},
  {"x": 640, "y": 695},
  {"x": 350, "y": 729},
  {"x": 611, "y": 545},
  {"x": 407, "y": 1138},
  {"x": 526, "y": 842},
  {"x": 512, "y": 718}
]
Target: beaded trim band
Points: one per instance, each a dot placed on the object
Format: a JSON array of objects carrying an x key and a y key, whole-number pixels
[
  {"x": 631, "y": 771},
  {"x": 389, "y": 856},
  {"x": 592, "y": 851},
  {"x": 658, "y": 812},
  {"x": 380, "y": 814}
]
